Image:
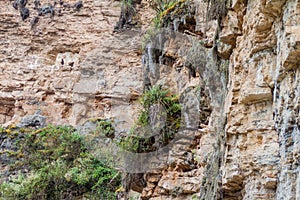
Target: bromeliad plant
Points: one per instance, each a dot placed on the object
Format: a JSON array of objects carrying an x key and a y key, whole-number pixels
[
  {"x": 141, "y": 138},
  {"x": 157, "y": 95},
  {"x": 167, "y": 10}
]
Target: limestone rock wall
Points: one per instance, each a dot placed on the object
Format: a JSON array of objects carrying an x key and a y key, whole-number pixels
[
  {"x": 259, "y": 162},
  {"x": 246, "y": 142},
  {"x": 70, "y": 66}
]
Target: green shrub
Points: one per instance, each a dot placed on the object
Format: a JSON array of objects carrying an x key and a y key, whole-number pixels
[
  {"x": 60, "y": 167},
  {"x": 105, "y": 127}
]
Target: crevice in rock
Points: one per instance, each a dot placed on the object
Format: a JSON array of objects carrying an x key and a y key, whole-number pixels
[{"x": 128, "y": 16}]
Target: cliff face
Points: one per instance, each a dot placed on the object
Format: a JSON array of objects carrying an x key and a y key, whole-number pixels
[
  {"x": 70, "y": 66},
  {"x": 261, "y": 157},
  {"x": 236, "y": 74}
]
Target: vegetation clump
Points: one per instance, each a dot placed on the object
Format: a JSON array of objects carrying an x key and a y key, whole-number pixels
[
  {"x": 157, "y": 123},
  {"x": 58, "y": 166},
  {"x": 105, "y": 127},
  {"x": 167, "y": 11}
]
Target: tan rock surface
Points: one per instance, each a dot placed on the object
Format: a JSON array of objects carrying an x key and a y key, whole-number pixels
[
  {"x": 253, "y": 156},
  {"x": 52, "y": 65}
]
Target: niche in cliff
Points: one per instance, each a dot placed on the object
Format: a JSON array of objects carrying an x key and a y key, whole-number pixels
[
  {"x": 38, "y": 9},
  {"x": 128, "y": 16},
  {"x": 7, "y": 106}
]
